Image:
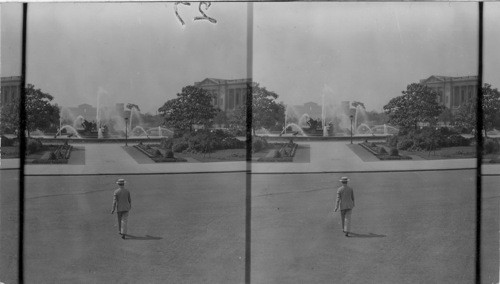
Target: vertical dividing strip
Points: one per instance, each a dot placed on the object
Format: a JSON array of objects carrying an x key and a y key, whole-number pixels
[
  {"x": 249, "y": 103},
  {"x": 22, "y": 147},
  {"x": 479, "y": 145}
]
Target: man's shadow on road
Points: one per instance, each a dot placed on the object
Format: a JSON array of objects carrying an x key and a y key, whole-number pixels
[
  {"x": 145, "y": 238},
  {"x": 368, "y": 235}
]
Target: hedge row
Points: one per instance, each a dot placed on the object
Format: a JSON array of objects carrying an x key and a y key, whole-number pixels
[
  {"x": 427, "y": 139},
  {"x": 202, "y": 141}
]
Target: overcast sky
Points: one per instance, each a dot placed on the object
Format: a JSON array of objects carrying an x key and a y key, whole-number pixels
[
  {"x": 137, "y": 53},
  {"x": 140, "y": 53}
]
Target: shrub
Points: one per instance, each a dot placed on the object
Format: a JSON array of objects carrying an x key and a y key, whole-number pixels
[
  {"x": 382, "y": 151},
  {"x": 277, "y": 154},
  {"x": 232, "y": 143},
  {"x": 458, "y": 140},
  {"x": 166, "y": 143},
  {"x": 180, "y": 146},
  {"x": 405, "y": 144},
  {"x": 373, "y": 145},
  {"x": 34, "y": 145},
  {"x": 6, "y": 142},
  {"x": 491, "y": 146},
  {"x": 158, "y": 153},
  {"x": 169, "y": 154},
  {"x": 394, "y": 152},
  {"x": 259, "y": 144},
  {"x": 52, "y": 156}
]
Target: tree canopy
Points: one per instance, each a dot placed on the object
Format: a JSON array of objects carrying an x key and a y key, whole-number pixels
[
  {"x": 466, "y": 114},
  {"x": 355, "y": 104},
  {"x": 130, "y": 106},
  {"x": 417, "y": 104},
  {"x": 40, "y": 113},
  {"x": 491, "y": 107},
  {"x": 465, "y": 117},
  {"x": 193, "y": 106},
  {"x": 266, "y": 112}
]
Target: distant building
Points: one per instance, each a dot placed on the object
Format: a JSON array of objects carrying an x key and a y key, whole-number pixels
[
  {"x": 228, "y": 94},
  {"x": 11, "y": 89},
  {"x": 452, "y": 91}
]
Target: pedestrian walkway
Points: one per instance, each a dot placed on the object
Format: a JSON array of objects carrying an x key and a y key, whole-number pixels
[{"x": 325, "y": 156}]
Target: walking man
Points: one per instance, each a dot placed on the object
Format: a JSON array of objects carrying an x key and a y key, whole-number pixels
[
  {"x": 345, "y": 201},
  {"x": 122, "y": 204}
]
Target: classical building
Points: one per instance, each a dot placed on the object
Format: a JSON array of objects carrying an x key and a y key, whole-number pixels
[
  {"x": 228, "y": 94},
  {"x": 11, "y": 89},
  {"x": 452, "y": 91}
]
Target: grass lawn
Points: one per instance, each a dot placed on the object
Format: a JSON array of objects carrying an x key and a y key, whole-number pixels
[
  {"x": 10, "y": 152},
  {"x": 217, "y": 156},
  {"x": 463, "y": 152}
]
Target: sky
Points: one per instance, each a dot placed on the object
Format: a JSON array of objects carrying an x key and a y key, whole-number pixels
[
  {"x": 131, "y": 52},
  {"x": 366, "y": 52},
  {"x": 303, "y": 51}
]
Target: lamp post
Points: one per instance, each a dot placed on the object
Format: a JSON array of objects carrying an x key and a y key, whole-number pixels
[
  {"x": 60, "y": 125},
  {"x": 126, "y": 130},
  {"x": 351, "y": 117}
]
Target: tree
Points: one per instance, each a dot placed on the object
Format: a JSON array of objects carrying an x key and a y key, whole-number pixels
[
  {"x": 417, "y": 104},
  {"x": 491, "y": 107},
  {"x": 446, "y": 116},
  {"x": 151, "y": 120},
  {"x": 266, "y": 112},
  {"x": 377, "y": 118},
  {"x": 10, "y": 117},
  {"x": 465, "y": 117},
  {"x": 355, "y": 104},
  {"x": 192, "y": 106},
  {"x": 131, "y": 106},
  {"x": 221, "y": 118},
  {"x": 237, "y": 118},
  {"x": 40, "y": 113},
  {"x": 466, "y": 114}
]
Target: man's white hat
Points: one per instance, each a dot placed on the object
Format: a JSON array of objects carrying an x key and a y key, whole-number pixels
[
  {"x": 120, "y": 181},
  {"x": 344, "y": 179}
]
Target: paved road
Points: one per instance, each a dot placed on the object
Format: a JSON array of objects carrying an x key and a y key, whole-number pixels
[
  {"x": 490, "y": 263},
  {"x": 410, "y": 228},
  {"x": 186, "y": 229},
  {"x": 413, "y": 227},
  {"x": 9, "y": 225}
]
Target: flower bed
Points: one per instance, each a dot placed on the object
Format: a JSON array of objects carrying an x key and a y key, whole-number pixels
[
  {"x": 51, "y": 154},
  {"x": 280, "y": 152},
  {"x": 382, "y": 153},
  {"x": 157, "y": 154}
]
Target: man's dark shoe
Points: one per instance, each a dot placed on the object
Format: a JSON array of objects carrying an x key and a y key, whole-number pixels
[{"x": 123, "y": 236}]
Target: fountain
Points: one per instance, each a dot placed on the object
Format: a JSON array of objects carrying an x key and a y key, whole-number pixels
[
  {"x": 134, "y": 112},
  {"x": 303, "y": 120},
  {"x": 68, "y": 127},
  {"x": 78, "y": 122},
  {"x": 290, "y": 117},
  {"x": 296, "y": 128},
  {"x": 138, "y": 129}
]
